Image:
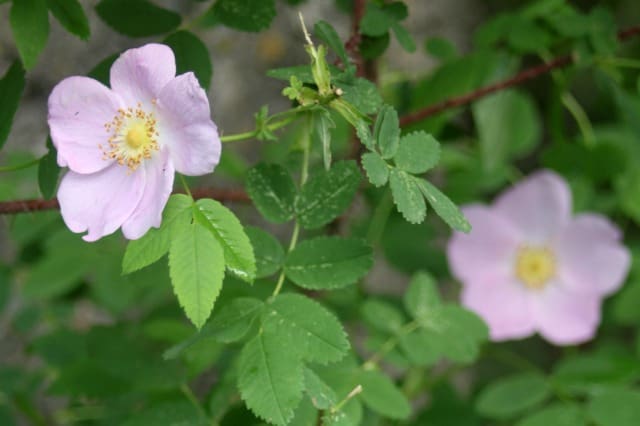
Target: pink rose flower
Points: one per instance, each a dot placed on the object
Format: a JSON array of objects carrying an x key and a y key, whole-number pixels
[
  {"x": 122, "y": 145},
  {"x": 528, "y": 266}
]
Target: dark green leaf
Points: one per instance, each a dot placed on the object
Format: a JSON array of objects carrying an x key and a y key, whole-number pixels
[
  {"x": 417, "y": 152},
  {"x": 376, "y": 21},
  {"x": 268, "y": 252},
  {"x": 48, "y": 171},
  {"x": 245, "y": 15},
  {"x": 404, "y": 38},
  {"x": 444, "y": 207},
  {"x": 191, "y": 55},
  {"x": 382, "y": 396},
  {"x": 272, "y": 191},
  {"x": 422, "y": 297},
  {"x": 559, "y": 414},
  {"x": 11, "y": 88},
  {"x": 618, "y": 407},
  {"x": 507, "y": 397},
  {"x": 376, "y": 168},
  {"x": 407, "y": 196},
  {"x": 30, "y": 26},
  {"x": 137, "y": 18},
  {"x": 362, "y": 94},
  {"x": 70, "y": 14},
  {"x": 387, "y": 131},
  {"x": 327, "y": 194},
  {"x": 382, "y": 316},
  {"x": 325, "y": 32},
  {"x": 328, "y": 262}
]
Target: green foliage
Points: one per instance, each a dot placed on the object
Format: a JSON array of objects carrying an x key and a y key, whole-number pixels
[
  {"x": 560, "y": 414},
  {"x": 325, "y": 32},
  {"x": 417, "y": 153},
  {"x": 407, "y": 196},
  {"x": 328, "y": 262},
  {"x": 244, "y": 15},
  {"x": 272, "y": 190},
  {"x": 191, "y": 55},
  {"x": 376, "y": 168},
  {"x": 48, "y": 171},
  {"x": 71, "y": 15},
  {"x": 268, "y": 252},
  {"x": 327, "y": 194},
  {"x": 512, "y": 395},
  {"x": 620, "y": 407},
  {"x": 30, "y": 27},
  {"x": 11, "y": 88},
  {"x": 382, "y": 396},
  {"x": 387, "y": 132},
  {"x": 137, "y": 18}
]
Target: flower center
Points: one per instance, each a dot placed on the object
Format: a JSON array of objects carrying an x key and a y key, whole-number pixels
[
  {"x": 133, "y": 137},
  {"x": 535, "y": 266}
]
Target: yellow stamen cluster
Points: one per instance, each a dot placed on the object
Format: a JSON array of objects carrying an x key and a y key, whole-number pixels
[
  {"x": 535, "y": 266},
  {"x": 133, "y": 137}
]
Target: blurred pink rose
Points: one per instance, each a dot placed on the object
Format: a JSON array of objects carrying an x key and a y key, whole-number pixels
[
  {"x": 528, "y": 266},
  {"x": 123, "y": 145}
]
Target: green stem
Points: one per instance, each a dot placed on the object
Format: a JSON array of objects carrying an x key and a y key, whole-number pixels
[
  {"x": 578, "y": 113},
  {"x": 387, "y": 346},
  {"x": 304, "y": 175},
  {"x": 188, "y": 393},
  {"x": 271, "y": 127},
  {"x": 16, "y": 167},
  {"x": 620, "y": 62},
  {"x": 186, "y": 186}
]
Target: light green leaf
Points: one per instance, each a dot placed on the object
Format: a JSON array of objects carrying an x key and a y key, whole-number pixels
[
  {"x": 507, "y": 397},
  {"x": 387, "y": 131},
  {"x": 70, "y": 14},
  {"x": 508, "y": 126},
  {"x": 444, "y": 207},
  {"x": 422, "y": 297},
  {"x": 327, "y": 194},
  {"x": 407, "y": 197},
  {"x": 559, "y": 414},
  {"x": 30, "y": 26},
  {"x": 381, "y": 395},
  {"x": 48, "y": 171},
  {"x": 270, "y": 374},
  {"x": 376, "y": 168},
  {"x": 322, "y": 124},
  {"x": 244, "y": 15},
  {"x": 325, "y": 32},
  {"x": 196, "y": 268},
  {"x": 191, "y": 55},
  {"x": 321, "y": 394},
  {"x": 137, "y": 18},
  {"x": 225, "y": 226},
  {"x": 382, "y": 315},
  {"x": 272, "y": 191},
  {"x": 267, "y": 250},
  {"x": 314, "y": 328},
  {"x": 361, "y": 93},
  {"x": 155, "y": 243},
  {"x": 328, "y": 262},
  {"x": 616, "y": 407},
  {"x": 417, "y": 153}
]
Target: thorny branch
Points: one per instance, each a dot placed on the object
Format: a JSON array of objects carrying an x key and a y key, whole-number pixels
[{"x": 231, "y": 195}]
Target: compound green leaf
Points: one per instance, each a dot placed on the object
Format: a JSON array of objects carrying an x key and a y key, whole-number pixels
[
  {"x": 191, "y": 55},
  {"x": 268, "y": 252},
  {"x": 381, "y": 395},
  {"x": 30, "y": 26},
  {"x": 272, "y": 191},
  {"x": 225, "y": 226},
  {"x": 196, "y": 268},
  {"x": 244, "y": 15},
  {"x": 327, "y": 194},
  {"x": 270, "y": 377},
  {"x": 328, "y": 262},
  {"x": 70, "y": 14},
  {"x": 417, "y": 152},
  {"x": 376, "y": 168},
  {"x": 444, "y": 207},
  {"x": 407, "y": 196},
  {"x": 507, "y": 397},
  {"x": 137, "y": 18},
  {"x": 318, "y": 330}
]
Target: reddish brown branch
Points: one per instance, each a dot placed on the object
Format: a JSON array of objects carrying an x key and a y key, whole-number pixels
[
  {"x": 521, "y": 77},
  {"x": 26, "y": 206},
  {"x": 353, "y": 44}
]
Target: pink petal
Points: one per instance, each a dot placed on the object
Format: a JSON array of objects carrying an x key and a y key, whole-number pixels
[
  {"x": 539, "y": 206},
  {"x": 591, "y": 258},
  {"x": 565, "y": 317},
  {"x": 487, "y": 251},
  {"x": 159, "y": 183},
  {"x": 139, "y": 75},
  {"x": 186, "y": 128},
  {"x": 79, "y": 107},
  {"x": 503, "y": 304},
  {"x": 100, "y": 202}
]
